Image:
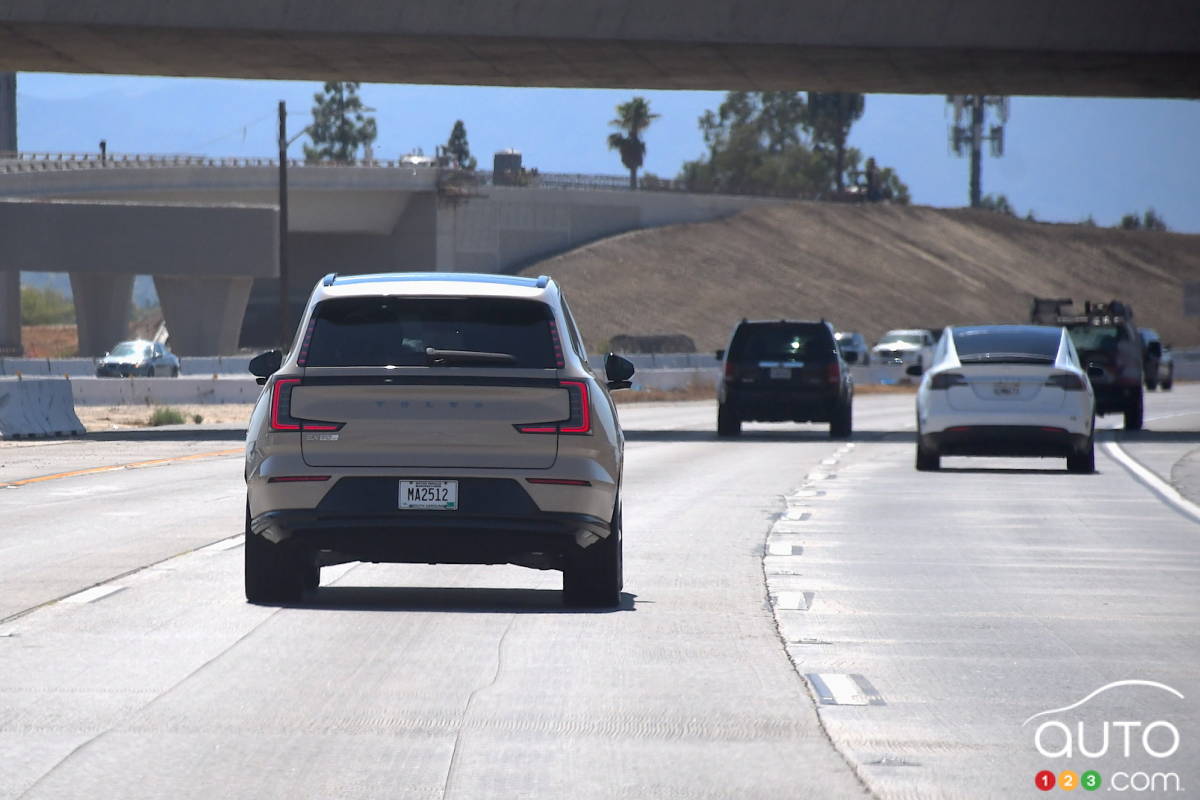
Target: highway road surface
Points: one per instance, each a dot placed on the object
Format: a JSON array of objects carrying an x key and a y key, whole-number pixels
[{"x": 802, "y": 618}]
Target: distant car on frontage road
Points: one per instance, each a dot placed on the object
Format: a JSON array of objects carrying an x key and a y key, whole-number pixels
[{"x": 138, "y": 358}]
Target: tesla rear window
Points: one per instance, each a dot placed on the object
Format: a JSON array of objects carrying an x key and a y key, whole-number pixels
[
  {"x": 782, "y": 343},
  {"x": 997, "y": 344},
  {"x": 383, "y": 331}
]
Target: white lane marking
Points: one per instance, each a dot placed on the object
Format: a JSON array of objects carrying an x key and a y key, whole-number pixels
[
  {"x": 829, "y": 462},
  {"x": 91, "y": 595},
  {"x": 779, "y": 549},
  {"x": 817, "y": 475},
  {"x": 839, "y": 689},
  {"x": 1156, "y": 484},
  {"x": 793, "y": 601},
  {"x": 797, "y": 516},
  {"x": 223, "y": 545}
]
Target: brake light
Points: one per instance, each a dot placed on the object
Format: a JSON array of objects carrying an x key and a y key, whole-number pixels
[
  {"x": 730, "y": 371},
  {"x": 297, "y": 478},
  {"x": 833, "y": 373},
  {"x": 1067, "y": 381},
  {"x": 281, "y": 410},
  {"x": 558, "y": 351},
  {"x": 579, "y": 419},
  {"x": 944, "y": 380},
  {"x": 302, "y": 359}
]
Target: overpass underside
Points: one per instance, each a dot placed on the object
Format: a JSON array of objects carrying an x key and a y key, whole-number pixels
[{"x": 1065, "y": 47}]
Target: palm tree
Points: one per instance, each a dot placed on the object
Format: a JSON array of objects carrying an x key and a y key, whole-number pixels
[{"x": 633, "y": 118}]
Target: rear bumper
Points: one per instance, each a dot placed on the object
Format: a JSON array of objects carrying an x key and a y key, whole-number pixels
[
  {"x": 496, "y": 523},
  {"x": 782, "y": 405},
  {"x": 1005, "y": 440}
]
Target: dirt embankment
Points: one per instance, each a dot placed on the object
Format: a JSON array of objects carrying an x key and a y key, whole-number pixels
[{"x": 867, "y": 268}]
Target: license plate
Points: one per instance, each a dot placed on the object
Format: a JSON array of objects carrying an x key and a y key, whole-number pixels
[
  {"x": 435, "y": 495},
  {"x": 1006, "y": 389},
  {"x": 781, "y": 372}
]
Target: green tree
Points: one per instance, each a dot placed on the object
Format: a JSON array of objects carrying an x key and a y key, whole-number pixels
[
  {"x": 340, "y": 125},
  {"x": 633, "y": 118},
  {"x": 830, "y": 116},
  {"x": 45, "y": 307},
  {"x": 1150, "y": 221},
  {"x": 998, "y": 203},
  {"x": 457, "y": 146}
]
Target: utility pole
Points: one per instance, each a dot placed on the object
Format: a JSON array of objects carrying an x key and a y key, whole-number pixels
[
  {"x": 968, "y": 135},
  {"x": 285, "y": 333}
]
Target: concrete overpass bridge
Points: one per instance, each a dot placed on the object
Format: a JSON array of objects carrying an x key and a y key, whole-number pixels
[
  {"x": 1060, "y": 47},
  {"x": 207, "y": 230}
]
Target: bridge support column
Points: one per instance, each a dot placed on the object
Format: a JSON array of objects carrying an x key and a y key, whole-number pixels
[
  {"x": 10, "y": 313},
  {"x": 102, "y": 304},
  {"x": 204, "y": 315}
]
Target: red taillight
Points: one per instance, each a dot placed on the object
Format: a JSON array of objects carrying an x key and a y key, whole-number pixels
[
  {"x": 579, "y": 419},
  {"x": 945, "y": 380},
  {"x": 730, "y": 371},
  {"x": 1048, "y": 429},
  {"x": 281, "y": 410},
  {"x": 558, "y": 351},
  {"x": 833, "y": 373},
  {"x": 302, "y": 358},
  {"x": 297, "y": 478},
  {"x": 1067, "y": 381},
  {"x": 558, "y": 482}
]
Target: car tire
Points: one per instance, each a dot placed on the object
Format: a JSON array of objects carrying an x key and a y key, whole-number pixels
[
  {"x": 175, "y": 372},
  {"x": 1083, "y": 463},
  {"x": 842, "y": 424},
  {"x": 1170, "y": 381},
  {"x": 273, "y": 573},
  {"x": 594, "y": 576},
  {"x": 728, "y": 423},
  {"x": 1151, "y": 385},
  {"x": 927, "y": 460},
  {"x": 1133, "y": 415}
]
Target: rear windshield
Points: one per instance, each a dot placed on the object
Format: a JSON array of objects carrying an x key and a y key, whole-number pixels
[
  {"x": 779, "y": 342},
  {"x": 1096, "y": 337},
  {"x": 907, "y": 338},
  {"x": 392, "y": 331},
  {"x": 1007, "y": 344}
]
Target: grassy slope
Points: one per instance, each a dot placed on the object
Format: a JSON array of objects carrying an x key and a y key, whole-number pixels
[{"x": 867, "y": 268}]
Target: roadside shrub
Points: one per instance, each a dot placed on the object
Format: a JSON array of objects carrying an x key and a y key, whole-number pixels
[
  {"x": 197, "y": 418},
  {"x": 164, "y": 415}
]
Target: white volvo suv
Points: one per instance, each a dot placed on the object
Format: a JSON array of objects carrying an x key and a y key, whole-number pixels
[{"x": 435, "y": 418}]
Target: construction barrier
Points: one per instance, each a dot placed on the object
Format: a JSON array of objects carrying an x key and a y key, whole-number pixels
[{"x": 32, "y": 407}]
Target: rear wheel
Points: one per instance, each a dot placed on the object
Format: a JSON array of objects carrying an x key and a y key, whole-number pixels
[
  {"x": 593, "y": 577},
  {"x": 1166, "y": 385},
  {"x": 1151, "y": 385},
  {"x": 728, "y": 423},
  {"x": 1085, "y": 462},
  {"x": 273, "y": 573},
  {"x": 150, "y": 372},
  {"x": 843, "y": 422},
  {"x": 175, "y": 372},
  {"x": 927, "y": 460},
  {"x": 1133, "y": 415}
]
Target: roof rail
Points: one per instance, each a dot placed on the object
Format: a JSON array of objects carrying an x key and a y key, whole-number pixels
[
  {"x": 542, "y": 281},
  {"x": 329, "y": 279}
]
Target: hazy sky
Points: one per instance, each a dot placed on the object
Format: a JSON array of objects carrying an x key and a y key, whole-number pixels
[{"x": 1065, "y": 158}]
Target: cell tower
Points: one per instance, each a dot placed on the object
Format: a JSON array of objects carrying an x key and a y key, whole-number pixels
[{"x": 967, "y": 133}]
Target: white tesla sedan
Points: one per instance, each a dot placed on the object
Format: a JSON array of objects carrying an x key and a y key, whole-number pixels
[{"x": 1006, "y": 390}]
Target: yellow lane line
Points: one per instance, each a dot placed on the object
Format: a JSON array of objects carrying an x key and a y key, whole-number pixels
[{"x": 114, "y": 467}]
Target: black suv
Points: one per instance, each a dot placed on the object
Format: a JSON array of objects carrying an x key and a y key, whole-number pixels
[
  {"x": 1111, "y": 349},
  {"x": 784, "y": 371}
]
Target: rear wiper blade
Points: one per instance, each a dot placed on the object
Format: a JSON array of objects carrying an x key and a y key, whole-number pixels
[{"x": 434, "y": 356}]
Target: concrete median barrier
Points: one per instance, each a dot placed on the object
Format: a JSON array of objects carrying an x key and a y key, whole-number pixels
[
  {"x": 34, "y": 407},
  {"x": 163, "y": 391}
]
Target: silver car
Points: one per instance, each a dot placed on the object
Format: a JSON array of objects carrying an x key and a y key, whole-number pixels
[
  {"x": 138, "y": 358},
  {"x": 435, "y": 418}
]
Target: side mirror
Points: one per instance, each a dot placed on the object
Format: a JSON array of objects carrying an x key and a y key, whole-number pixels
[
  {"x": 1154, "y": 349},
  {"x": 914, "y": 370},
  {"x": 618, "y": 371},
  {"x": 1094, "y": 372},
  {"x": 720, "y": 355},
  {"x": 264, "y": 365}
]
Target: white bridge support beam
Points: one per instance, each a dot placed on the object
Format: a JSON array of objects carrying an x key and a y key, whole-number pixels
[
  {"x": 204, "y": 314},
  {"x": 102, "y": 305}
]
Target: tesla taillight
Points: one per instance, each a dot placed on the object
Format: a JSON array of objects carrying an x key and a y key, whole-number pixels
[
  {"x": 1067, "y": 381},
  {"x": 944, "y": 380},
  {"x": 281, "y": 410},
  {"x": 579, "y": 419}
]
